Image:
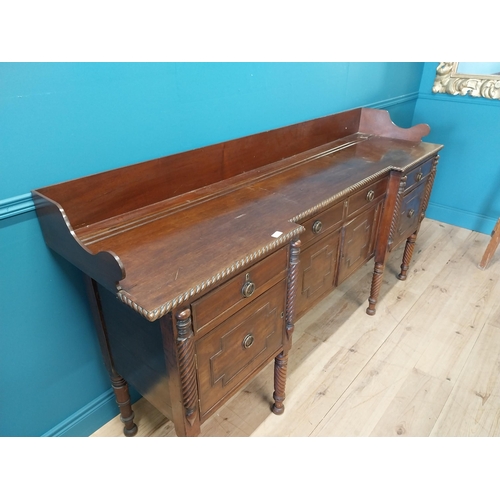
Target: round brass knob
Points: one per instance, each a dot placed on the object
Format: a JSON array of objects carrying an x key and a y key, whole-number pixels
[
  {"x": 418, "y": 176},
  {"x": 370, "y": 195},
  {"x": 248, "y": 289},
  {"x": 410, "y": 212},
  {"x": 317, "y": 227},
  {"x": 248, "y": 341}
]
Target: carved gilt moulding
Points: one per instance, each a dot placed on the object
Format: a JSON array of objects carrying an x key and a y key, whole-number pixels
[{"x": 449, "y": 81}]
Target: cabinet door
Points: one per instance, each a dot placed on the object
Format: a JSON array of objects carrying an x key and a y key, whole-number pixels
[
  {"x": 410, "y": 212},
  {"x": 358, "y": 241},
  {"x": 317, "y": 272},
  {"x": 229, "y": 355}
]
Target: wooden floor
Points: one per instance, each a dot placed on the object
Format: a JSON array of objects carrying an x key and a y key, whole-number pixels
[{"x": 427, "y": 364}]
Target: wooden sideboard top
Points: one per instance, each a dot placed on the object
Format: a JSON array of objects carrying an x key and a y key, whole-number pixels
[{"x": 160, "y": 232}]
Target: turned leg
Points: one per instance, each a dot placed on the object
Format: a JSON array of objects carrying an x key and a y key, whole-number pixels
[
  {"x": 405, "y": 265},
  {"x": 118, "y": 383},
  {"x": 389, "y": 223},
  {"x": 280, "y": 367},
  {"x": 123, "y": 401},
  {"x": 378, "y": 274}
]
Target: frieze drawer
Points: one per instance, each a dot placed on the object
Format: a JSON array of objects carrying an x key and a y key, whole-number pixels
[
  {"x": 417, "y": 174},
  {"x": 366, "y": 196},
  {"x": 231, "y": 352},
  {"x": 322, "y": 223},
  {"x": 218, "y": 305}
]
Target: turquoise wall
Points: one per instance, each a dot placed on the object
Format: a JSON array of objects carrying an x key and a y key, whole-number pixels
[
  {"x": 61, "y": 121},
  {"x": 467, "y": 184}
]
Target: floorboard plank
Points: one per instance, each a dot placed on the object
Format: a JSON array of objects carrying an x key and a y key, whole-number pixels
[{"x": 427, "y": 364}]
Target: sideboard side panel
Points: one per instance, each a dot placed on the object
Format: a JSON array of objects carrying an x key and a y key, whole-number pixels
[{"x": 137, "y": 349}]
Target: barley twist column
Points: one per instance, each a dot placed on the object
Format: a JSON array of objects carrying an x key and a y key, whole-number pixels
[
  {"x": 407, "y": 255},
  {"x": 280, "y": 369},
  {"x": 291, "y": 293},
  {"x": 428, "y": 187},
  {"x": 281, "y": 361},
  {"x": 187, "y": 365},
  {"x": 397, "y": 210}
]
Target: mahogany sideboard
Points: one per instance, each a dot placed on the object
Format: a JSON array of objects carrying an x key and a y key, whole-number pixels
[{"x": 197, "y": 264}]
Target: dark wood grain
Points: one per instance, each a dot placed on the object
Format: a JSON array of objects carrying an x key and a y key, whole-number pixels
[
  {"x": 104, "y": 266},
  {"x": 217, "y": 305},
  {"x": 390, "y": 214},
  {"x": 171, "y": 245},
  {"x": 224, "y": 363},
  {"x": 317, "y": 274},
  {"x": 137, "y": 349},
  {"x": 377, "y": 121},
  {"x": 153, "y": 181}
]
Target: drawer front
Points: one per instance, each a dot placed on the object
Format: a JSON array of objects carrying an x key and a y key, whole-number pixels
[
  {"x": 217, "y": 305},
  {"x": 322, "y": 223},
  {"x": 232, "y": 352},
  {"x": 317, "y": 272},
  {"x": 417, "y": 174},
  {"x": 367, "y": 196},
  {"x": 410, "y": 211}
]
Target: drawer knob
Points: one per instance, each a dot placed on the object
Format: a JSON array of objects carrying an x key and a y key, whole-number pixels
[
  {"x": 370, "y": 195},
  {"x": 418, "y": 176},
  {"x": 248, "y": 289},
  {"x": 410, "y": 212},
  {"x": 317, "y": 227},
  {"x": 248, "y": 341}
]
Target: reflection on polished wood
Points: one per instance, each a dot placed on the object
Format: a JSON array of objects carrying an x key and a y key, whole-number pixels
[
  {"x": 193, "y": 260},
  {"x": 425, "y": 365}
]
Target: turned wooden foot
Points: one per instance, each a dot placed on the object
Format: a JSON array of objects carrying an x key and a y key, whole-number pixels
[
  {"x": 378, "y": 274},
  {"x": 405, "y": 265},
  {"x": 280, "y": 367},
  {"x": 123, "y": 400}
]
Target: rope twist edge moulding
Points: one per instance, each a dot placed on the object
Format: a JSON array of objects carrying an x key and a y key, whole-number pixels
[{"x": 171, "y": 304}]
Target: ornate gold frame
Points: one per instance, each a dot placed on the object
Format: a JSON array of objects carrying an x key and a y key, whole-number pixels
[{"x": 449, "y": 81}]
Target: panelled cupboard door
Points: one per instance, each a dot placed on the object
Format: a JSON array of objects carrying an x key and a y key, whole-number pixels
[
  {"x": 358, "y": 241},
  {"x": 410, "y": 211},
  {"x": 239, "y": 346},
  {"x": 317, "y": 271}
]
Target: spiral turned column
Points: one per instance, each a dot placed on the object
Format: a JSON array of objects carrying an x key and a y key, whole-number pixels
[
  {"x": 281, "y": 361},
  {"x": 187, "y": 364},
  {"x": 280, "y": 369},
  {"x": 407, "y": 255},
  {"x": 428, "y": 188},
  {"x": 378, "y": 275},
  {"x": 396, "y": 218},
  {"x": 291, "y": 294}
]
